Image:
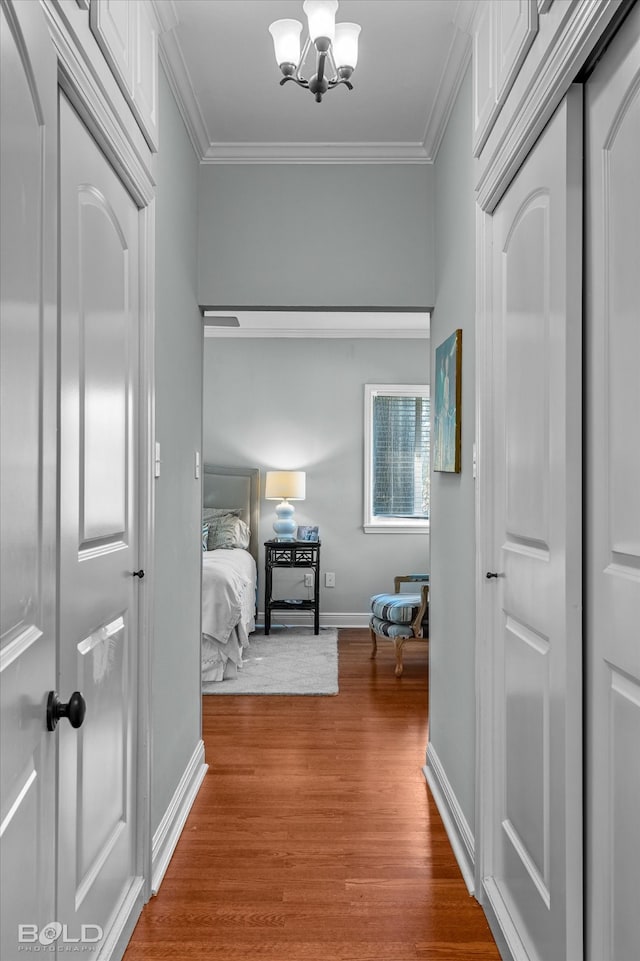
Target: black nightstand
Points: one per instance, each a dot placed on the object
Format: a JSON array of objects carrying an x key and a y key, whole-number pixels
[{"x": 291, "y": 554}]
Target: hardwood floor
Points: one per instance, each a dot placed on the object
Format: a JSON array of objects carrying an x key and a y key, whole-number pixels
[{"x": 314, "y": 836}]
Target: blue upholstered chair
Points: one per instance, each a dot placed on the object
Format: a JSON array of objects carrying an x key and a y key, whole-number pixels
[{"x": 400, "y": 616}]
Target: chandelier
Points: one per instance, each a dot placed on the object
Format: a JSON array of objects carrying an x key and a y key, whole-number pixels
[{"x": 335, "y": 42}]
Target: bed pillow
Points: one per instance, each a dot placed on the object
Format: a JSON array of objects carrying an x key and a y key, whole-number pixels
[
  {"x": 212, "y": 513},
  {"x": 205, "y": 536},
  {"x": 227, "y": 531}
]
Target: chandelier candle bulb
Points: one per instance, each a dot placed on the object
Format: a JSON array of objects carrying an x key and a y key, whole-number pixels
[
  {"x": 321, "y": 15},
  {"x": 345, "y": 47},
  {"x": 286, "y": 42}
]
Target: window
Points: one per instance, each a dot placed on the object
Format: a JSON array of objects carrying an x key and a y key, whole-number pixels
[{"x": 396, "y": 467}]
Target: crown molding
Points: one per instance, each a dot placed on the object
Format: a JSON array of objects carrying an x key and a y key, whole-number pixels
[
  {"x": 384, "y": 324},
  {"x": 178, "y": 77},
  {"x": 458, "y": 59},
  {"x": 210, "y": 152},
  {"x": 166, "y": 15},
  {"x": 316, "y": 153}
]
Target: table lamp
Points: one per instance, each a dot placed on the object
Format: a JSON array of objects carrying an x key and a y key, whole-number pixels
[{"x": 285, "y": 486}]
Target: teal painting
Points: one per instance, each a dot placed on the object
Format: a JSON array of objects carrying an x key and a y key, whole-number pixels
[{"x": 448, "y": 392}]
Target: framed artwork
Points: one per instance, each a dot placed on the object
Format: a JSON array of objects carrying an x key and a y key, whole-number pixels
[
  {"x": 307, "y": 534},
  {"x": 447, "y": 408}
]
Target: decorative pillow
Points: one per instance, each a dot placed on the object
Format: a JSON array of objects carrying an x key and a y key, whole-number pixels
[
  {"x": 205, "y": 536},
  {"x": 211, "y": 513},
  {"x": 227, "y": 531}
]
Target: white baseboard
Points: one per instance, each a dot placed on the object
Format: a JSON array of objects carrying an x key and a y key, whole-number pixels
[
  {"x": 503, "y": 927},
  {"x": 455, "y": 823},
  {"x": 305, "y": 618},
  {"x": 170, "y": 827},
  {"x": 119, "y": 933}
]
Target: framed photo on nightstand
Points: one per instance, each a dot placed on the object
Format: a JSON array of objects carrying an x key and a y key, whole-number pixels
[{"x": 307, "y": 534}]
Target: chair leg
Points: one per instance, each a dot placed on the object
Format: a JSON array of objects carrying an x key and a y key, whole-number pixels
[
  {"x": 398, "y": 643},
  {"x": 374, "y": 643}
]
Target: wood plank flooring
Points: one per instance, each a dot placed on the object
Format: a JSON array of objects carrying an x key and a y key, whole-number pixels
[{"x": 314, "y": 836}]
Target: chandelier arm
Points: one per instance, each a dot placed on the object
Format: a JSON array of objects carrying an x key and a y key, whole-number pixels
[
  {"x": 300, "y": 82},
  {"x": 337, "y": 81},
  {"x": 305, "y": 51},
  {"x": 332, "y": 64}
]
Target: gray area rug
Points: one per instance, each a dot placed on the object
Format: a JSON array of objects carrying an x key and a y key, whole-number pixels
[{"x": 292, "y": 660}]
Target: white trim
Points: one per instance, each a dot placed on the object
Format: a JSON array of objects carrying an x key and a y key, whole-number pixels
[
  {"x": 170, "y": 828},
  {"x": 95, "y": 94},
  {"x": 302, "y": 322},
  {"x": 146, "y": 528},
  {"x": 458, "y": 59},
  {"x": 484, "y": 534},
  {"x": 305, "y": 619},
  {"x": 385, "y": 152},
  {"x": 503, "y": 927},
  {"x": 393, "y": 527},
  {"x": 372, "y": 524},
  {"x": 123, "y": 924},
  {"x": 533, "y": 101},
  {"x": 318, "y": 333},
  {"x": 455, "y": 823},
  {"x": 179, "y": 79}
]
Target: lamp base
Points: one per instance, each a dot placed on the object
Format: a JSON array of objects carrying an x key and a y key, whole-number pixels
[{"x": 285, "y": 526}]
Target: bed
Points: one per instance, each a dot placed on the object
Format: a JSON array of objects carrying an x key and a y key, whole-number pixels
[{"x": 230, "y": 515}]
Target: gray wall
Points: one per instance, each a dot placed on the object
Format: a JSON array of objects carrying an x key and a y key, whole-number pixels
[
  {"x": 299, "y": 404},
  {"x": 319, "y": 236},
  {"x": 175, "y": 654},
  {"x": 452, "y": 611}
]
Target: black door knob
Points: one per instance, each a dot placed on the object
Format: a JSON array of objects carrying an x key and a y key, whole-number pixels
[
  {"x": 139, "y": 573},
  {"x": 75, "y": 710},
  {"x": 491, "y": 574}
]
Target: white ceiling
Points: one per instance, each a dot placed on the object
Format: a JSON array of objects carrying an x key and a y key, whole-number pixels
[{"x": 219, "y": 58}]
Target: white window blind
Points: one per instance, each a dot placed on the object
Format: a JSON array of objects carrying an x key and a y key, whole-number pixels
[
  {"x": 397, "y": 458},
  {"x": 401, "y": 456}
]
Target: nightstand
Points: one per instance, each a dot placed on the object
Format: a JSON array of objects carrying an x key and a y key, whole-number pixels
[{"x": 291, "y": 554}]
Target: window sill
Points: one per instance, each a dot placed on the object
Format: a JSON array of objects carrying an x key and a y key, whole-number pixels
[{"x": 396, "y": 528}]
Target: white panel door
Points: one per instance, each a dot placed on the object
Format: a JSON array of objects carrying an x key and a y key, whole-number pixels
[
  {"x": 28, "y": 349},
  {"x": 99, "y": 323},
  {"x": 536, "y": 823},
  {"x": 612, "y": 598}
]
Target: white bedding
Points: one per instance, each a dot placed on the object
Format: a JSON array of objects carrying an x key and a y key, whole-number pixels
[{"x": 228, "y": 611}]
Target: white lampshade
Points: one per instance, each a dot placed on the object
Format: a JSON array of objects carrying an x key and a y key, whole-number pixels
[
  {"x": 286, "y": 40},
  {"x": 345, "y": 45},
  {"x": 285, "y": 485},
  {"x": 321, "y": 15}
]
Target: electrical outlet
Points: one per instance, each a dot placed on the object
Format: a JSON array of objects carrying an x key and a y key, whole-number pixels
[
  {"x": 308, "y": 580},
  {"x": 329, "y": 579}
]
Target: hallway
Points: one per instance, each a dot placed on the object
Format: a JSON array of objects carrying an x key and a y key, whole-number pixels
[{"x": 314, "y": 837}]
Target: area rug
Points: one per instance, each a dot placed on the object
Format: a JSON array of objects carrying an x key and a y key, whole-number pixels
[{"x": 291, "y": 660}]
